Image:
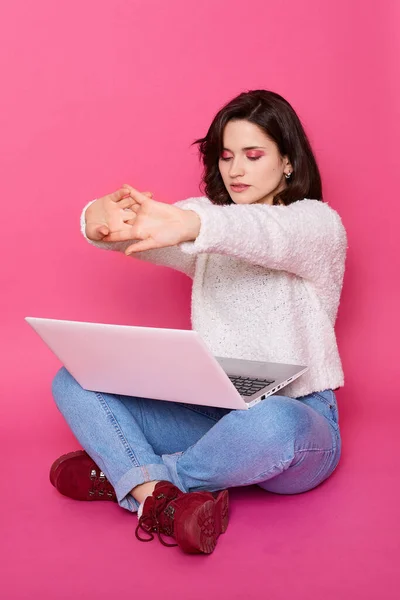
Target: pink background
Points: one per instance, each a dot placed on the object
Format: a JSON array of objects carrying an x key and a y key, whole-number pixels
[{"x": 96, "y": 94}]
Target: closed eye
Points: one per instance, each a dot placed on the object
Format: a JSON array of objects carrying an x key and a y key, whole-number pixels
[{"x": 225, "y": 159}]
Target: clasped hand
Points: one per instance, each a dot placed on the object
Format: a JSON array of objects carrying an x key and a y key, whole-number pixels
[{"x": 132, "y": 215}]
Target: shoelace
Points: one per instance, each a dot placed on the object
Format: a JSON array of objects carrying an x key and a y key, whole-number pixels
[{"x": 150, "y": 522}]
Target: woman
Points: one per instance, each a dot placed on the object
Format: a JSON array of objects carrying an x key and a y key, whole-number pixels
[{"x": 267, "y": 258}]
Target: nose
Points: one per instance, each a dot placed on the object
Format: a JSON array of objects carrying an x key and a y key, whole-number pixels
[{"x": 236, "y": 168}]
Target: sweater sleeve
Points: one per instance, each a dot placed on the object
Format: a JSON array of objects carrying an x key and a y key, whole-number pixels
[
  {"x": 306, "y": 238},
  {"x": 172, "y": 256}
]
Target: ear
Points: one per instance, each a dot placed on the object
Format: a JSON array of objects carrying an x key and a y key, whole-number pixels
[{"x": 287, "y": 165}]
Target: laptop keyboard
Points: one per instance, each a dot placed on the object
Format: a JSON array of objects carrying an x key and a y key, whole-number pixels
[{"x": 247, "y": 386}]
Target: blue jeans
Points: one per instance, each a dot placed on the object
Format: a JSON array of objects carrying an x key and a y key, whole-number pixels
[{"x": 284, "y": 445}]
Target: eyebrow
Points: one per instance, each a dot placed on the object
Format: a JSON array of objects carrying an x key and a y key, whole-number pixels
[{"x": 247, "y": 148}]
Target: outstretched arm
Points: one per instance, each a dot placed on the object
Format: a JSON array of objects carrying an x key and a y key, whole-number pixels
[{"x": 108, "y": 223}]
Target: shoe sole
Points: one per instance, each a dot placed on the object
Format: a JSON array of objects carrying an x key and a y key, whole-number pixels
[
  {"x": 204, "y": 526},
  {"x": 222, "y": 510}
]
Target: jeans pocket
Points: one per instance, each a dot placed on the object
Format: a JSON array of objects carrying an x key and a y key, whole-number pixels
[{"x": 212, "y": 412}]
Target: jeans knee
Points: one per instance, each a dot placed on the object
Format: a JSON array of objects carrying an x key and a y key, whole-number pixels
[
  {"x": 61, "y": 387},
  {"x": 282, "y": 417}
]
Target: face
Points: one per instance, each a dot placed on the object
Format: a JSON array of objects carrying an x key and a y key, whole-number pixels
[{"x": 251, "y": 166}]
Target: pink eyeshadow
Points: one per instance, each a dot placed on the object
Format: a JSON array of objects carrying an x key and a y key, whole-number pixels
[{"x": 255, "y": 154}]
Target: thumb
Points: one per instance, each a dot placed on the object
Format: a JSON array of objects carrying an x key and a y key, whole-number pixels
[
  {"x": 141, "y": 246},
  {"x": 96, "y": 232},
  {"x": 103, "y": 231},
  {"x": 148, "y": 194}
]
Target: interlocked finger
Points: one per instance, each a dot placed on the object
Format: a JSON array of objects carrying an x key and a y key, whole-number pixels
[
  {"x": 128, "y": 215},
  {"x": 125, "y": 202}
]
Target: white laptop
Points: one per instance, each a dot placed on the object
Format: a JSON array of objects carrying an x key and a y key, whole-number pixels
[{"x": 164, "y": 364}]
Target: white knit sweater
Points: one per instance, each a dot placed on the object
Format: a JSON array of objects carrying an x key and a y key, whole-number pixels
[{"x": 266, "y": 283}]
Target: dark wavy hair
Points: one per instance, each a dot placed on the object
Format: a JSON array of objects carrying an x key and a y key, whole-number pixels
[{"x": 275, "y": 116}]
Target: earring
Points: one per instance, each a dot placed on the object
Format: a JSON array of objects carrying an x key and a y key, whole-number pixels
[{"x": 287, "y": 175}]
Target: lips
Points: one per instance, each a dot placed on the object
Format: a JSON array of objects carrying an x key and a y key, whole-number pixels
[{"x": 239, "y": 187}]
